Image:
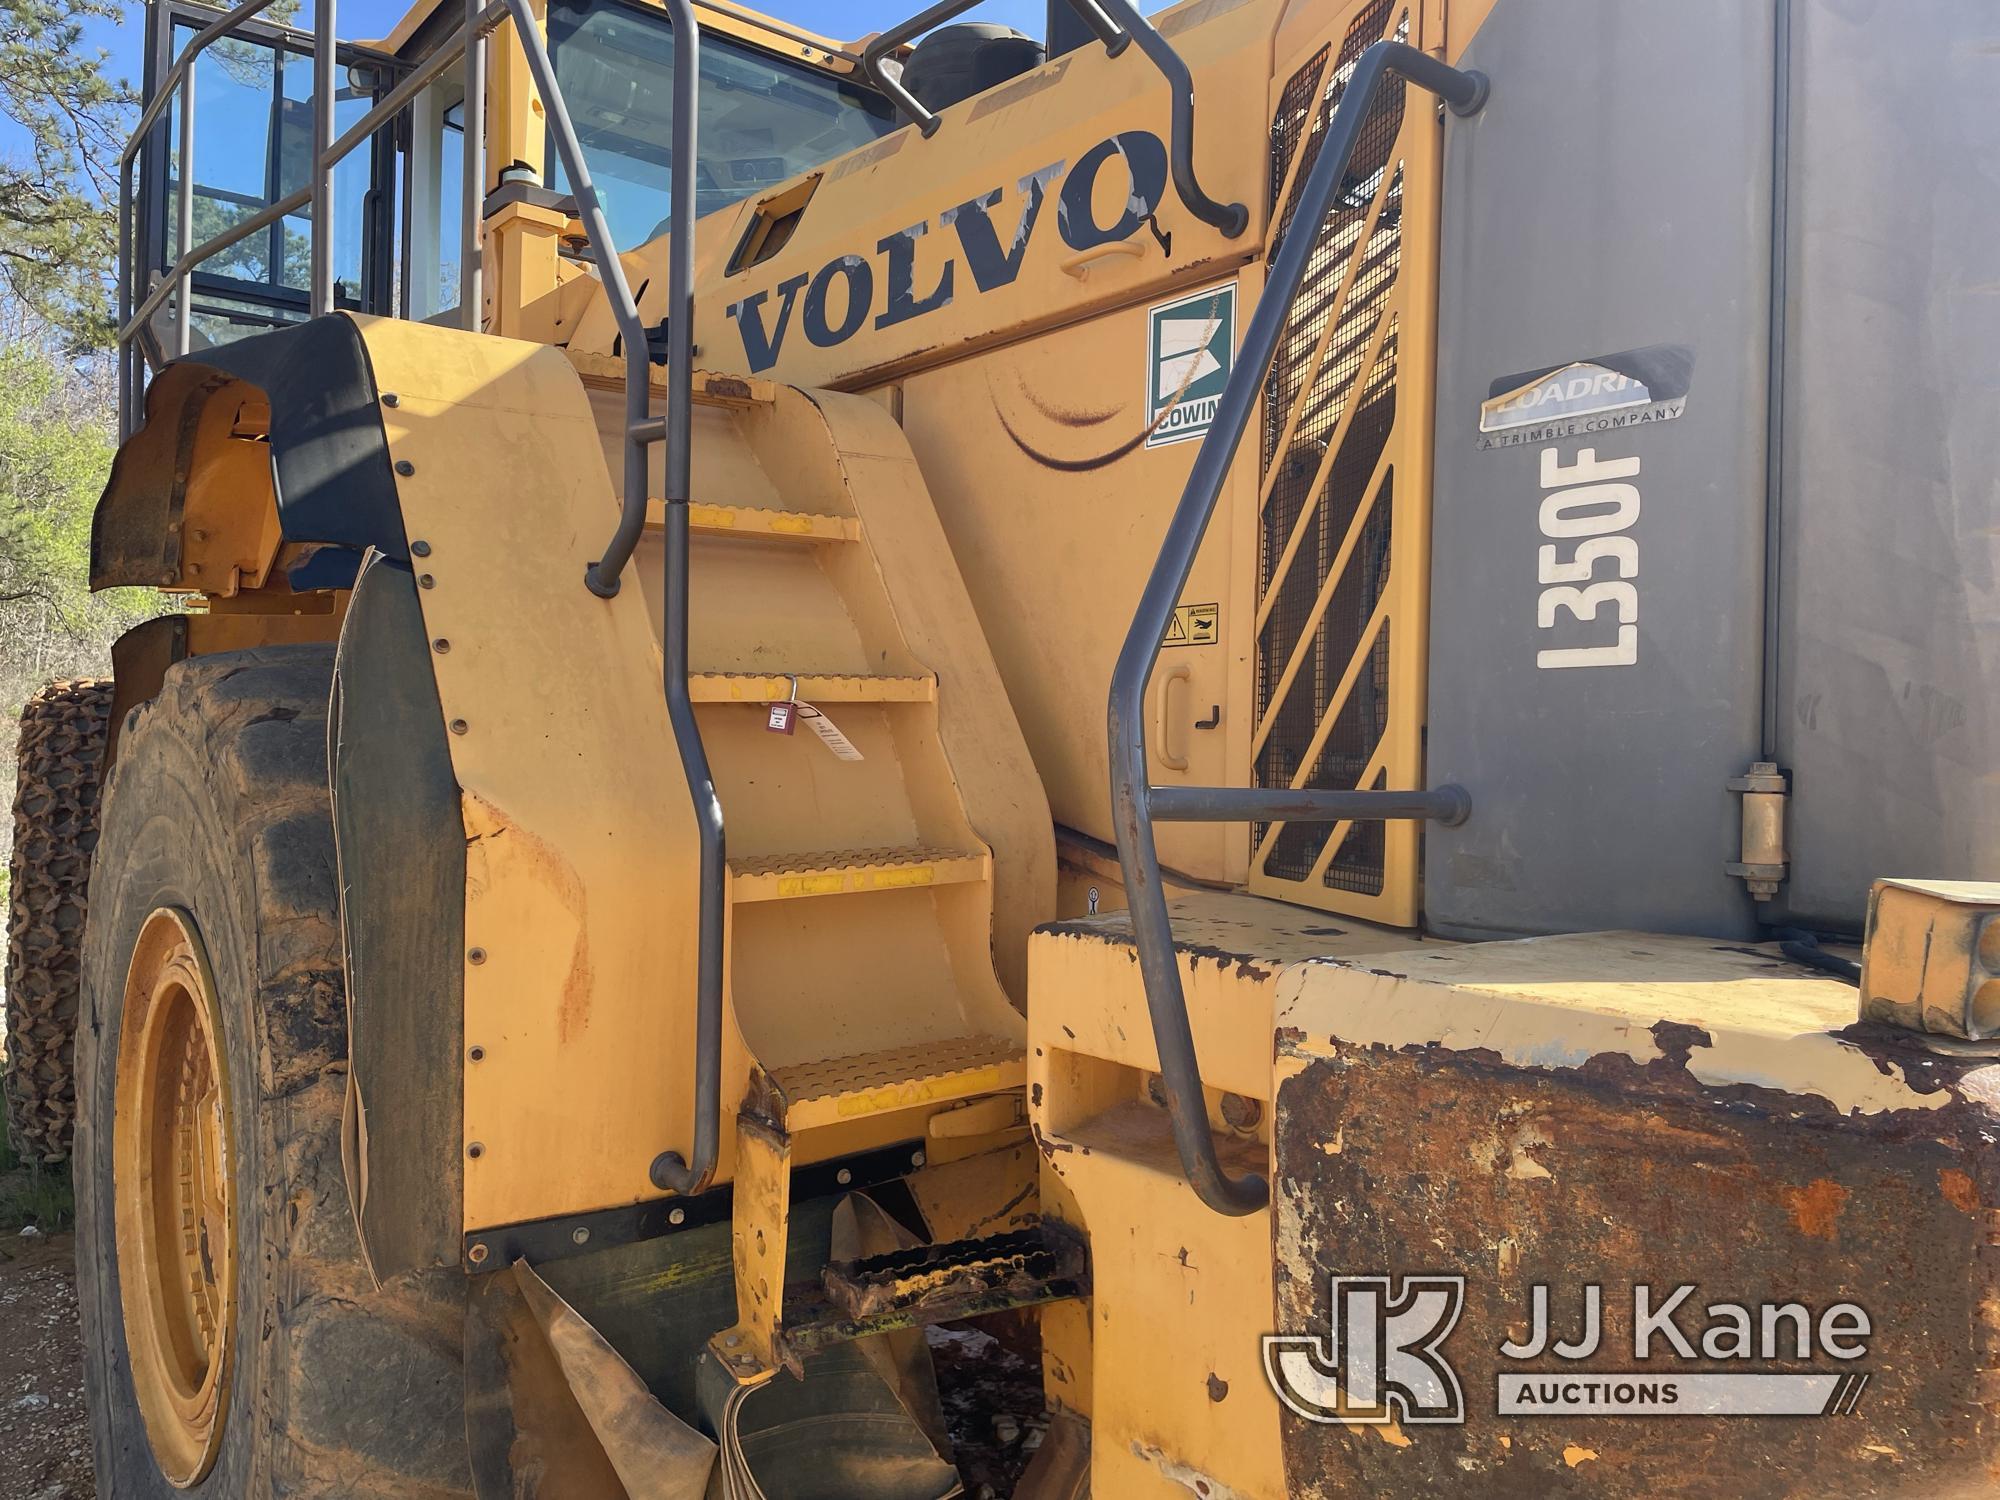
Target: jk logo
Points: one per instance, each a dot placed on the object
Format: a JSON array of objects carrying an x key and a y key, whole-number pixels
[{"x": 1385, "y": 1363}]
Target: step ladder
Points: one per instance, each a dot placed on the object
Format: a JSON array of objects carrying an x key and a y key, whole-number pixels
[{"x": 860, "y": 925}]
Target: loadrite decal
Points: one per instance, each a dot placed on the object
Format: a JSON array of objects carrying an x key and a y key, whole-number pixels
[
  {"x": 1601, "y": 394},
  {"x": 992, "y": 233}
]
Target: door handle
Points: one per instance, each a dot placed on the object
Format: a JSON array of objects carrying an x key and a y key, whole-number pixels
[
  {"x": 1079, "y": 264},
  {"x": 1163, "y": 738}
]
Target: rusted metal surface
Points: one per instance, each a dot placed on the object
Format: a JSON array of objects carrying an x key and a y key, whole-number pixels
[
  {"x": 934, "y": 1284},
  {"x": 910, "y": 1279},
  {"x": 1426, "y": 1158}
]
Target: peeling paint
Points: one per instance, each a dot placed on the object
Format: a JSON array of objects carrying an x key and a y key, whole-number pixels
[
  {"x": 1575, "y": 1455},
  {"x": 1727, "y": 1019},
  {"x": 1186, "y": 1475},
  {"x": 1521, "y": 1163}
]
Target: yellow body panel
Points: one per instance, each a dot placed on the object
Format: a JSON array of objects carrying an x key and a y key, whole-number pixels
[
  {"x": 1181, "y": 1293},
  {"x": 1933, "y": 957},
  {"x": 932, "y": 851},
  {"x": 992, "y": 378},
  {"x": 1024, "y": 397},
  {"x": 578, "y": 827}
]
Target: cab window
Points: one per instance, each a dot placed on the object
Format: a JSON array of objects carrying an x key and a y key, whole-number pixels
[{"x": 762, "y": 120}]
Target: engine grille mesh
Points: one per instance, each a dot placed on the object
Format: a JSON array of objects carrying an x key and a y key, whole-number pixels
[{"x": 1329, "y": 412}]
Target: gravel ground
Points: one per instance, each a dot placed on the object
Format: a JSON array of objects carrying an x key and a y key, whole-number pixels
[{"x": 44, "y": 1430}]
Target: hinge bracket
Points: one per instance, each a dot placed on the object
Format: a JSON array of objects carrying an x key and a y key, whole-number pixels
[{"x": 1762, "y": 862}]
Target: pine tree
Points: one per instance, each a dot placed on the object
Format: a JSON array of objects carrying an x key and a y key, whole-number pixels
[{"x": 58, "y": 190}]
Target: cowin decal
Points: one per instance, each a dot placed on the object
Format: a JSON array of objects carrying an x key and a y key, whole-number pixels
[
  {"x": 992, "y": 233},
  {"x": 1604, "y": 393},
  {"x": 1188, "y": 343}
]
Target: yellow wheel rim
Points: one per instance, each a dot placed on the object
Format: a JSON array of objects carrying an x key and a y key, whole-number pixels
[{"x": 175, "y": 1206}]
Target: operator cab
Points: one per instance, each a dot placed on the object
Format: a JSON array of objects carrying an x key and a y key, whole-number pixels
[{"x": 775, "y": 103}]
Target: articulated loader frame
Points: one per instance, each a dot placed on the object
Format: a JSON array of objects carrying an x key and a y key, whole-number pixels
[{"x": 674, "y": 1144}]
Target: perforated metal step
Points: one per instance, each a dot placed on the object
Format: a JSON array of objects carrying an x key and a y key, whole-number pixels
[
  {"x": 760, "y": 523},
  {"x": 781, "y": 877},
  {"x": 879, "y": 1083},
  {"x": 936, "y": 1284},
  {"x": 606, "y": 372},
  {"x": 760, "y": 687}
]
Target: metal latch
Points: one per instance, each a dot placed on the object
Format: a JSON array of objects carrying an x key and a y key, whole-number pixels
[{"x": 1763, "y": 861}]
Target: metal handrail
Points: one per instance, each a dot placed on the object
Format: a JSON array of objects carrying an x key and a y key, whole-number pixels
[
  {"x": 670, "y": 1170},
  {"x": 876, "y": 53},
  {"x": 328, "y": 153},
  {"x": 1231, "y": 218},
  {"x": 180, "y": 76},
  {"x": 1118, "y": 24},
  {"x": 1135, "y": 802}
]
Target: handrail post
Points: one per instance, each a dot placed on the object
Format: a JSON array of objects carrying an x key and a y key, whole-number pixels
[
  {"x": 471, "y": 255},
  {"x": 690, "y": 1174},
  {"x": 670, "y": 1169},
  {"x": 184, "y": 206},
  {"x": 1131, "y": 781},
  {"x": 325, "y": 70}
]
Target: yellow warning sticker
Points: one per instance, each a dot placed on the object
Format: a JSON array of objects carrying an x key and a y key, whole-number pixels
[{"x": 1193, "y": 625}]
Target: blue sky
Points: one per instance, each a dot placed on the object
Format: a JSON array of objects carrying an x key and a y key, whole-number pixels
[{"x": 845, "y": 19}]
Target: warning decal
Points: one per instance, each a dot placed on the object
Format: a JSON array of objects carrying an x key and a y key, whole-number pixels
[{"x": 1193, "y": 625}]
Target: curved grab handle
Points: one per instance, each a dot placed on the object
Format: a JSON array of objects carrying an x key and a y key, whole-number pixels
[
  {"x": 1231, "y": 218},
  {"x": 1134, "y": 800}
]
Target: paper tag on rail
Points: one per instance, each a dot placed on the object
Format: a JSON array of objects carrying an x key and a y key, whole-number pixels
[{"x": 828, "y": 732}]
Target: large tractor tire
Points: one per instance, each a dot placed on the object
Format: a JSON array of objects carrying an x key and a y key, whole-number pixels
[
  {"x": 235, "y": 1344},
  {"x": 55, "y": 829}
]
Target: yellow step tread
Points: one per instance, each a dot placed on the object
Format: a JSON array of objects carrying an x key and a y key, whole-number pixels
[
  {"x": 710, "y": 387},
  {"x": 877, "y": 1083},
  {"x": 760, "y": 523},
  {"x": 780, "y": 877},
  {"x": 813, "y": 687}
]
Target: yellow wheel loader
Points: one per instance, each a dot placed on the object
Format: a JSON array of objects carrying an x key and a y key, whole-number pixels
[{"x": 1239, "y": 753}]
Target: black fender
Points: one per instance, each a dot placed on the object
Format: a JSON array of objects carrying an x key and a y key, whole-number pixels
[
  {"x": 329, "y": 454},
  {"x": 399, "y": 841}
]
